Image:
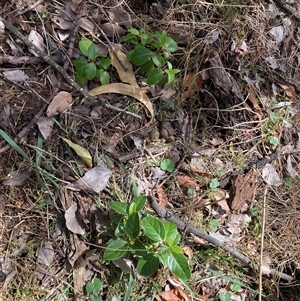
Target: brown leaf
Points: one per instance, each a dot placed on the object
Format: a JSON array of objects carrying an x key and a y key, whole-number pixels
[
  {"x": 119, "y": 61},
  {"x": 162, "y": 197},
  {"x": 188, "y": 251},
  {"x": 290, "y": 91},
  {"x": 60, "y": 103},
  {"x": 187, "y": 182},
  {"x": 191, "y": 83},
  {"x": 125, "y": 90},
  {"x": 170, "y": 296}
]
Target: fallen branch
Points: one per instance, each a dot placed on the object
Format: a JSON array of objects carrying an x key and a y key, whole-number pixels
[
  {"x": 163, "y": 213},
  {"x": 60, "y": 70},
  {"x": 21, "y": 60}
]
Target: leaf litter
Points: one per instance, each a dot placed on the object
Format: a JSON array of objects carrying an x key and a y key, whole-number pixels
[{"x": 215, "y": 156}]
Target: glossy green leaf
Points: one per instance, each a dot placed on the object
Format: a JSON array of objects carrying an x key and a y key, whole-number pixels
[
  {"x": 104, "y": 77},
  {"x": 132, "y": 226},
  {"x": 153, "y": 228},
  {"x": 131, "y": 38},
  {"x": 146, "y": 67},
  {"x": 89, "y": 70},
  {"x": 119, "y": 207},
  {"x": 84, "y": 45},
  {"x": 105, "y": 63},
  {"x": 179, "y": 266},
  {"x": 132, "y": 208},
  {"x": 161, "y": 37},
  {"x": 116, "y": 248},
  {"x": 158, "y": 60},
  {"x": 140, "y": 202},
  {"x": 93, "y": 51},
  {"x": 147, "y": 265},
  {"x": 154, "y": 76},
  {"x": 134, "y": 31},
  {"x": 170, "y": 45},
  {"x": 146, "y": 38},
  {"x": 172, "y": 234},
  {"x": 140, "y": 55}
]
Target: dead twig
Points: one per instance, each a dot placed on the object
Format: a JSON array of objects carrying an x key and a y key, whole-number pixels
[
  {"x": 163, "y": 213},
  {"x": 60, "y": 70},
  {"x": 288, "y": 10},
  {"x": 21, "y": 60}
]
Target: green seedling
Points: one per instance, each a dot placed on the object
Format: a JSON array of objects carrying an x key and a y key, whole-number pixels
[
  {"x": 91, "y": 64},
  {"x": 167, "y": 165},
  {"x": 152, "y": 54},
  {"x": 93, "y": 289},
  {"x": 152, "y": 242}
]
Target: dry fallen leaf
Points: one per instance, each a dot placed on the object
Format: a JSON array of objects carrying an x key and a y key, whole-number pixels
[
  {"x": 60, "y": 103},
  {"x": 45, "y": 253},
  {"x": 125, "y": 90},
  {"x": 37, "y": 40},
  {"x": 126, "y": 76},
  {"x": 290, "y": 91},
  {"x": 270, "y": 175},
  {"x": 188, "y": 251},
  {"x": 96, "y": 179},
  {"x": 45, "y": 125},
  {"x": 15, "y": 75},
  {"x": 187, "y": 182},
  {"x": 17, "y": 178},
  {"x": 72, "y": 222},
  {"x": 192, "y": 83},
  {"x": 162, "y": 197},
  {"x": 83, "y": 153}
]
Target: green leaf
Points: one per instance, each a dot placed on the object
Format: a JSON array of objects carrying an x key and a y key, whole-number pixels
[
  {"x": 161, "y": 37},
  {"x": 89, "y": 70},
  {"x": 158, "y": 60},
  {"x": 214, "y": 183},
  {"x": 146, "y": 67},
  {"x": 172, "y": 234},
  {"x": 140, "y": 55},
  {"x": 170, "y": 45},
  {"x": 130, "y": 38},
  {"x": 235, "y": 286},
  {"x": 146, "y": 38},
  {"x": 84, "y": 45},
  {"x": 155, "y": 76},
  {"x": 116, "y": 248},
  {"x": 119, "y": 207},
  {"x": 225, "y": 296},
  {"x": 134, "y": 31},
  {"x": 179, "y": 266},
  {"x": 93, "y": 52},
  {"x": 105, "y": 63},
  {"x": 167, "y": 165},
  {"x": 132, "y": 208},
  {"x": 147, "y": 265},
  {"x": 153, "y": 228},
  {"x": 132, "y": 226},
  {"x": 94, "y": 287},
  {"x": 138, "y": 248},
  {"x": 80, "y": 62},
  {"x": 140, "y": 202},
  {"x": 104, "y": 77},
  {"x": 274, "y": 141},
  {"x": 163, "y": 255},
  {"x": 213, "y": 225}
]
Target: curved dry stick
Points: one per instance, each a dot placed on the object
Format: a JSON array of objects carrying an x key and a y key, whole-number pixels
[{"x": 163, "y": 213}]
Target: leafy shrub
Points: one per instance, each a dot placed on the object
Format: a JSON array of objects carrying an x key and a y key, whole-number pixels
[
  {"x": 91, "y": 64},
  {"x": 151, "y": 241},
  {"x": 152, "y": 53}
]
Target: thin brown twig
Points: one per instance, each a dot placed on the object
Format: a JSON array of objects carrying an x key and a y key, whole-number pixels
[
  {"x": 61, "y": 71},
  {"x": 21, "y": 60}
]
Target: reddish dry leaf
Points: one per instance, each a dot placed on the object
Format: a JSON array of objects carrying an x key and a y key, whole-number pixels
[
  {"x": 199, "y": 172},
  {"x": 199, "y": 241},
  {"x": 290, "y": 91},
  {"x": 254, "y": 101},
  {"x": 170, "y": 296},
  {"x": 191, "y": 83},
  {"x": 60, "y": 103},
  {"x": 188, "y": 251},
  {"x": 162, "y": 197},
  {"x": 187, "y": 182}
]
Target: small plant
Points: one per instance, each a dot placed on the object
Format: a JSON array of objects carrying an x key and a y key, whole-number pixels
[
  {"x": 152, "y": 53},
  {"x": 167, "y": 165},
  {"x": 93, "y": 289},
  {"x": 149, "y": 240},
  {"x": 91, "y": 64}
]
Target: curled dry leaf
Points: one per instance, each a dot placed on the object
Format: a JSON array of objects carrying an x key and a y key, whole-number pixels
[
  {"x": 125, "y": 89},
  {"x": 45, "y": 125},
  {"x": 60, "y": 103},
  {"x": 96, "y": 179},
  {"x": 37, "y": 40},
  {"x": 192, "y": 83},
  {"x": 45, "y": 253},
  {"x": 187, "y": 182},
  {"x": 83, "y": 153},
  {"x": 71, "y": 220},
  {"x": 15, "y": 75},
  {"x": 120, "y": 61},
  {"x": 162, "y": 197},
  {"x": 290, "y": 91}
]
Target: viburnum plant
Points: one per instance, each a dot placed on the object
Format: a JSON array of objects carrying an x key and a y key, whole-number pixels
[
  {"x": 91, "y": 64},
  {"x": 152, "y": 53},
  {"x": 152, "y": 243}
]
